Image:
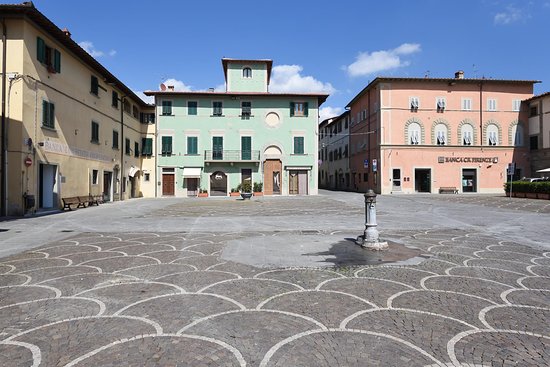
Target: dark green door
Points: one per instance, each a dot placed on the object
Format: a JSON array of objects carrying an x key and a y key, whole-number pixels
[
  {"x": 217, "y": 147},
  {"x": 246, "y": 148}
]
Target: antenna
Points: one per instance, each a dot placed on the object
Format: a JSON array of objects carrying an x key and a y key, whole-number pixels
[
  {"x": 475, "y": 70},
  {"x": 427, "y": 74},
  {"x": 162, "y": 87}
]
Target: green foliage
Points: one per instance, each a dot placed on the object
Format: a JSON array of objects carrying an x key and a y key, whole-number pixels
[
  {"x": 258, "y": 186},
  {"x": 203, "y": 191},
  {"x": 245, "y": 187},
  {"x": 542, "y": 187}
]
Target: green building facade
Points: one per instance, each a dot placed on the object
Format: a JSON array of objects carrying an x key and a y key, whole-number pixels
[{"x": 215, "y": 141}]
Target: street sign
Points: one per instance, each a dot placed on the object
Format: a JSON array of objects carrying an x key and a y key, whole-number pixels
[
  {"x": 511, "y": 169},
  {"x": 366, "y": 163},
  {"x": 374, "y": 165},
  {"x": 28, "y": 161}
]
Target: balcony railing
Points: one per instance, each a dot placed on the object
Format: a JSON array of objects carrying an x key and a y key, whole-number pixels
[{"x": 232, "y": 155}]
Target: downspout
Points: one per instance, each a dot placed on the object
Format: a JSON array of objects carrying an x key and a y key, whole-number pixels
[
  {"x": 155, "y": 153},
  {"x": 122, "y": 150},
  {"x": 4, "y": 179},
  {"x": 481, "y": 114}
]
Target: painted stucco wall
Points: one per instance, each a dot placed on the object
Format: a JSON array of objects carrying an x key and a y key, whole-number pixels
[{"x": 236, "y": 82}]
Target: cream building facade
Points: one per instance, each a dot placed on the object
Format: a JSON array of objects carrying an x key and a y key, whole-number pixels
[
  {"x": 539, "y": 133},
  {"x": 69, "y": 126}
]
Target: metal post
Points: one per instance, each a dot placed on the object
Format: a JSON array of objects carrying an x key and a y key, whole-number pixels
[{"x": 371, "y": 237}]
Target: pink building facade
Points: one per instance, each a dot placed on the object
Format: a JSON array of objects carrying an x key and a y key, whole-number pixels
[{"x": 414, "y": 135}]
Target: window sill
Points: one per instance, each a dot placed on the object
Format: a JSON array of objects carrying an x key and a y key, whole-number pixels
[
  {"x": 299, "y": 154},
  {"x": 48, "y": 128},
  {"x": 94, "y": 94},
  {"x": 217, "y": 115},
  {"x": 94, "y": 142},
  {"x": 166, "y": 114},
  {"x": 116, "y": 148},
  {"x": 192, "y": 155}
]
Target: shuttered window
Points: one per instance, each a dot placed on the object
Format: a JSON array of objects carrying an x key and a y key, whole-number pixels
[
  {"x": 127, "y": 148},
  {"x": 94, "y": 85},
  {"x": 246, "y": 148},
  {"x": 299, "y": 109},
  {"x": 95, "y": 132},
  {"x": 147, "y": 146},
  {"x": 166, "y": 148},
  {"x": 192, "y": 145},
  {"x": 166, "y": 108},
  {"x": 298, "y": 145},
  {"x": 48, "y": 114}
]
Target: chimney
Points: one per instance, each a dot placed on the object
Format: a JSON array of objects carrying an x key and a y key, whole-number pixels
[
  {"x": 459, "y": 74},
  {"x": 171, "y": 88},
  {"x": 67, "y": 33}
]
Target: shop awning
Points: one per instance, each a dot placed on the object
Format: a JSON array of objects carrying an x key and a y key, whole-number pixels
[
  {"x": 544, "y": 170},
  {"x": 298, "y": 168},
  {"x": 133, "y": 171},
  {"x": 191, "y": 172}
]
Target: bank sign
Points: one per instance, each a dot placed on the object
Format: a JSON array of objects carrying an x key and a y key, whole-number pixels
[{"x": 467, "y": 159}]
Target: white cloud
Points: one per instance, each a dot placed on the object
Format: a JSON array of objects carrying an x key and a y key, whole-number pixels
[
  {"x": 328, "y": 112},
  {"x": 369, "y": 63},
  {"x": 89, "y": 48},
  {"x": 178, "y": 85},
  {"x": 287, "y": 78},
  {"x": 510, "y": 15}
]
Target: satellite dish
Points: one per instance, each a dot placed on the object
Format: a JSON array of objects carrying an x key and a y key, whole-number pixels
[{"x": 162, "y": 87}]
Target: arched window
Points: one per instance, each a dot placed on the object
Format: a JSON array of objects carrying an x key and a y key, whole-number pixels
[
  {"x": 467, "y": 134},
  {"x": 517, "y": 135},
  {"x": 414, "y": 133},
  {"x": 247, "y": 72},
  {"x": 440, "y": 134},
  {"x": 492, "y": 134}
]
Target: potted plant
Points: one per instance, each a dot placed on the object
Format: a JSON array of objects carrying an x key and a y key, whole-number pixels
[
  {"x": 246, "y": 190},
  {"x": 258, "y": 187},
  {"x": 235, "y": 191},
  {"x": 203, "y": 193}
]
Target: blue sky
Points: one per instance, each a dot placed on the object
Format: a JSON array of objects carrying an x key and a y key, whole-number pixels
[{"x": 316, "y": 46}]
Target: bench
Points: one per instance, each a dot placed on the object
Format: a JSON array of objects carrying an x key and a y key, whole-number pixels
[
  {"x": 90, "y": 200},
  {"x": 75, "y": 200},
  {"x": 448, "y": 190}
]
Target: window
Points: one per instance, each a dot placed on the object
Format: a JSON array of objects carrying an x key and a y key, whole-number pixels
[
  {"x": 48, "y": 56},
  {"x": 246, "y": 148},
  {"x": 298, "y": 145},
  {"x": 339, "y": 126},
  {"x": 440, "y": 104},
  {"x": 414, "y": 102},
  {"x": 365, "y": 176},
  {"x": 414, "y": 133},
  {"x": 136, "y": 149},
  {"x": 48, "y": 115},
  {"x": 94, "y": 85},
  {"x": 147, "y": 146},
  {"x": 147, "y": 118},
  {"x": 217, "y": 147},
  {"x": 127, "y": 148},
  {"x": 516, "y": 104},
  {"x": 217, "y": 108},
  {"x": 491, "y": 104},
  {"x": 166, "y": 108},
  {"x": 247, "y": 73},
  {"x": 299, "y": 109},
  {"x": 135, "y": 112},
  {"x": 192, "y": 145},
  {"x": 330, "y": 156},
  {"x": 492, "y": 134},
  {"x": 115, "y": 139},
  {"x": 95, "y": 174},
  {"x": 166, "y": 148},
  {"x": 146, "y": 176},
  {"x": 466, "y": 104},
  {"x": 517, "y": 135},
  {"x": 246, "y": 110},
  {"x": 467, "y": 133},
  {"x": 346, "y": 122},
  {"x": 192, "y": 108},
  {"x": 440, "y": 132},
  {"x": 533, "y": 111},
  {"x": 114, "y": 99},
  {"x": 127, "y": 106},
  {"x": 95, "y": 132},
  {"x": 534, "y": 142},
  {"x": 346, "y": 151}
]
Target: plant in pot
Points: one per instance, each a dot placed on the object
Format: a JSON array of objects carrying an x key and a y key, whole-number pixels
[
  {"x": 203, "y": 193},
  {"x": 258, "y": 187},
  {"x": 246, "y": 190},
  {"x": 235, "y": 191}
]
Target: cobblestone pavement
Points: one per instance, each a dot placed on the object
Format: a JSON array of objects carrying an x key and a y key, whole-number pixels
[{"x": 169, "y": 299}]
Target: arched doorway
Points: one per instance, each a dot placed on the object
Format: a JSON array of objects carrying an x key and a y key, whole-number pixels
[
  {"x": 273, "y": 169},
  {"x": 218, "y": 184}
]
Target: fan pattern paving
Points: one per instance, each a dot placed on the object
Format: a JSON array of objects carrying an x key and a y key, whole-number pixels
[{"x": 152, "y": 299}]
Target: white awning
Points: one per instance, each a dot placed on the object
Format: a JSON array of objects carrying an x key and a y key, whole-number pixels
[
  {"x": 544, "y": 170},
  {"x": 298, "y": 168},
  {"x": 191, "y": 172},
  {"x": 133, "y": 171}
]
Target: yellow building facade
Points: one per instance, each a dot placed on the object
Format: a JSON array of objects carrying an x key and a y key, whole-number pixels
[{"x": 69, "y": 127}]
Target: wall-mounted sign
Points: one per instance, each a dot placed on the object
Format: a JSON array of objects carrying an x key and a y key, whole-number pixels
[
  {"x": 366, "y": 163},
  {"x": 467, "y": 159},
  {"x": 374, "y": 165}
]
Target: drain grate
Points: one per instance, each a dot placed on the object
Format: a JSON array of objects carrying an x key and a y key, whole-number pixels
[{"x": 67, "y": 230}]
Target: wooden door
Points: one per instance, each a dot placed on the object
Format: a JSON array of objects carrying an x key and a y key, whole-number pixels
[
  {"x": 217, "y": 147},
  {"x": 293, "y": 182},
  {"x": 192, "y": 185},
  {"x": 167, "y": 184},
  {"x": 272, "y": 176}
]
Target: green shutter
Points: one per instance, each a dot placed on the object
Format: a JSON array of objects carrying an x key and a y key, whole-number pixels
[
  {"x": 298, "y": 145},
  {"x": 57, "y": 61},
  {"x": 94, "y": 85},
  {"x": 146, "y": 146},
  {"x": 52, "y": 116},
  {"x": 192, "y": 147},
  {"x": 246, "y": 148},
  {"x": 217, "y": 147},
  {"x": 40, "y": 50},
  {"x": 292, "y": 106},
  {"x": 45, "y": 114},
  {"x": 167, "y": 107},
  {"x": 166, "y": 145},
  {"x": 305, "y": 109}
]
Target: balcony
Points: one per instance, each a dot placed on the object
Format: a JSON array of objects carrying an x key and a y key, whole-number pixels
[{"x": 231, "y": 155}]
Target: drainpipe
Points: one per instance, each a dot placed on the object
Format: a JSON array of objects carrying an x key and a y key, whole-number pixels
[
  {"x": 122, "y": 150},
  {"x": 481, "y": 114},
  {"x": 4, "y": 179}
]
